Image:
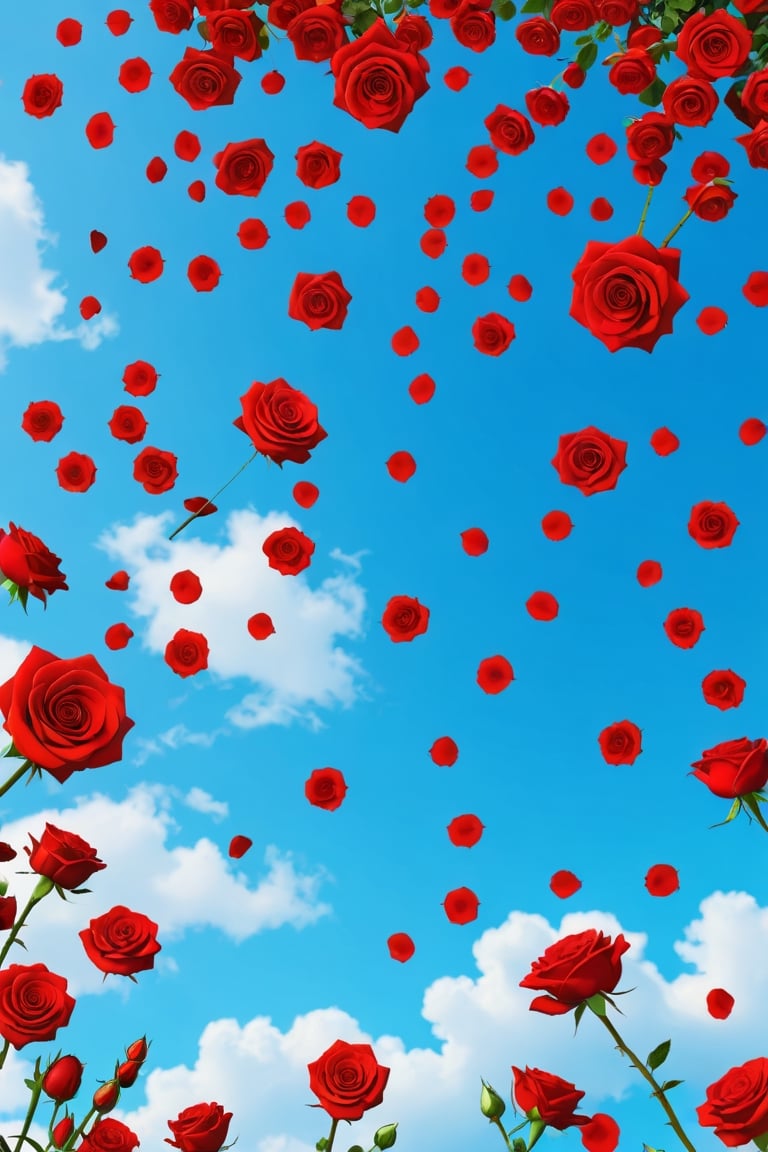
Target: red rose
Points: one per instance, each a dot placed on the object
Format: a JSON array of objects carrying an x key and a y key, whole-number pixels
[
  {"x": 734, "y": 768},
  {"x": 538, "y": 37},
  {"x": 712, "y": 525},
  {"x": 684, "y": 626},
  {"x": 76, "y": 472},
  {"x": 737, "y": 1104},
  {"x": 64, "y": 857},
  {"x": 510, "y": 131},
  {"x": 319, "y": 299},
  {"x": 650, "y": 137},
  {"x": 109, "y": 1136},
  {"x": 34, "y": 1004},
  {"x": 8, "y": 910},
  {"x": 155, "y": 470},
  {"x": 282, "y": 12},
  {"x": 121, "y": 941},
  {"x": 347, "y": 1080},
  {"x": 756, "y": 144},
  {"x": 62, "y": 1080},
  {"x": 172, "y": 15},
  {"x": 690, "y": 101},
  {"x": 243, "y": 168},
  {"x": 617, "y": 12},
  {"x": 627, "y": 294},
  {"x": 288, "y": 551},
  {"x": 546, "y": 106},
  {"x": 713, "y": 44},
  {"x": 493, "y": 334},
  {"x": 378, "y": 80},
  {"x": 325, "y": 788},
  {"x": 633, "y": 72},
  {"x": 235, "y": 33},
  {"x": 590, "y": 460},
  {"x": 473, "y": 26},
  {"x": 620, "y": 743},
  {"x": 414, "y": 31},
  {"x": 318, "y": 165},
  {"x": 140, "y": 378},
  {"x": 42, "y": 420},
  {"x": 64, "y": 715},
  {"x": 42, "y": 95},
  {"x": 575, "y": 968},
  {"x": 556, "y": 1099},
  {"x": 710, "y": 202},
  {"x": 187, "y": 652},
  {"x": 26, "y": 562},
  {"x": 127, "y": 423},
  {"x": 754, "y": 95},
  {"x": 317, "y": 32},
  {"x": 573, "y": 15},
  {"x": 281, "y": 421},
  {"x": 404, "y": 618},
  {"x": 201, "y": 1128},
  {"x": 205, "y": 79},
  {"x": 723, "y": 689}
]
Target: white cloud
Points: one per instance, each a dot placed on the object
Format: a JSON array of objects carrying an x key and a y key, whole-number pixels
[
  {"x": 31, "y": 303},
  {"x": 179, "y": 888},
  {"x": 299, "y": 669},
  {"x": 202, "y": 801},
  {"x": 12, "y": 652}
]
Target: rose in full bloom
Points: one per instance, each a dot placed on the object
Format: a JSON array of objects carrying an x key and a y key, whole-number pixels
[
  {"x": 288, "y": 551},
  {"x": 62, "y": 1080},
  {"x": 573, "y": 15},
  {"x": 146, "y": 264},
  {"x": 347, "y": 1080},
  {"x": 556, "y": 1099},
  {"x": 590, "y": 460},
  {"x": 712, "y": 525},
  {"x": 235, "y": 33},
  {"x": 42, "y": 95},
  {"x": 42, "y": 420},
  {"x": 538, "y": 37},
  {"x": 140, "y": 378},
  {"x": 473, "y": 25},
  {"x": 187, "y": 652},
  {"x": 632, "y": 72},
  {"x": 127, "y": 423},
  {"x": 64, "y": 857},
  {"x": 493, "y": 334},
  {"x": 754, "y": 95},
  {"x": 108, "y": 1135},
  {"x": 281, "y": 421},
  {"x": 318, "y": 165},
  {"x": 620, "y": 743},
  {"x": 243, "y": 167},
  {"x": 317, "y": 32},
  {"x": 684, "y": 626},
  {"x": 711, "y": 201},
  {"x": 155, "y": 470},
  {"x": 713, "y": 44},
  {"x": 546, "y": 106},
  {"x": 494, "y": 674},
  {"x": 756, "y": 144},
  {"x": 510, "y": 131},
  {"x": 325, "y": 788},
  {"x": 378, "y": 79},
  {"x": 121, "y": 941},
  {"x": 734, "y": 768},
  {"x": 320, "y": 300},
  {"x": 575, "y": 968},
  {"x": 201, "y": 1128},
  {"x": 723, "y": 689},
  {"x": 205, "y": 79},
  {"x": 690, "y": 101},
  {"x": 64, "y": 715},
  {"x": 414, "y": 31},
  {"x": 737, "y": 1104},
  {"x": 404, "y": 618},
  {"x": 34, "y": 1004},
  {"x": 28, "y": 563},
  {"x": 650, "y": 137},
  {"x": 461, "y": 905},
  {"x": 627, "y": 294},
  {"x": 172, "y": 15},
  {"x": 76, "y": 472}
]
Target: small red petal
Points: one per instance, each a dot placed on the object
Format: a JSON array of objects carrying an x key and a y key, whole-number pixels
[
  {"x": 305, "y": 494},
  {"x": 119, "y": 581},
  {"x": 456, "y": 78},
  {"x": 260, "y": 626},
  {"x": 401, "y": 946},
  {"x": 421, "y": 389},
  {"x": 719, "y": 1003},
  {"x": 664, "y": 442},
  {"x": 752, "y": 431},
  {"x": 519, "y": 288},
  {"x": 474, "y": 541},
  {"x": 239, "y": 845},
  {"x": 559, "y": 201},
  {"x": 201, "y": 505},
  {"x": 556, "y": 525},
  {"x": 564, "y": 884},
  {"x": 662, "y": 880},
  {"x": 361, "y": 211},
  {"x": 272, "y": 83},
  {"x": 712, "y": 320},
  {"x": 444, "y": 752},
  {"x": 401, "y": 466},
  {"x": 98, "y": 241},
  {"x": 117, "y": 636},
  {"x": 649, "y": 573},
  {"x": 542, "y": 606}
]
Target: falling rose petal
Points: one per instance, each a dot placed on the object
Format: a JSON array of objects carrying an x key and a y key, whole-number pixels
[
  {"x": 186, "y": 587},
  {"x": 100, "y": 130},
  {"x": 76, "y": 472},
  {"x": 461, "y": 906},
  {"x": 456, "y": 78},
  {"x": 475, "y": 269},
  {"x": 542, "y": 606},
  {"x": 559, "y": 201},
  {"x": 427, "y": 300},
  {"x": 494, "y": 674},
  {"x": 601, "y": 148},
  {"x": 620, "y": 743},
  {"x": 752, "y": 431},
  {"x": 98, "y": 240},
  {"x": 756, "y": 289},
  {"x": 433, "y": 243},
  {"x": 719, "y": 1003},
  {"x": 481, "y": 199},
  {"x": 238, "y": 846},
  {"x": 444, "y": 752},
  {"x": 684, "y": 626},
  {"x": 664, "y": 442},
  {"x": 146, "y": 264},
  {"x": 401, "y": 946},
  {"x": 601, "y": 209},
  {"x": 519, "y": 288},
  {"x": 474, "y": 541},
  {"x": 421, "y": 389},
  {"x": 662, "y": 880},
  {"x": 135, "y": 75},
  {"x": 6, "y": 852},
  {"x": 260, "y": 626},
  {"x": 196, "y": 191},
  {"x": 649, "y": 573},
  {"x": 89, "y": 307},
  {"x": 564, "y": 884},
  {"x": 200, "y": 506},
  {"x": 252, "y": 234},
  {"x": 556, "y": 525},
  {"x": 361, "y": 211},
  {"x": 203, "y": 273},
  {"x": 465, "y": 831},
  {"x": 117, "y": 636},
  {"x": 482, "y": 161},
  {"x": 405, "y": 341},
  {"x": 723, "y": 689},
  {"x": 305, "y": 494},
  {"x": 439, "y": 211},
  {"x": 325, "y": 788},
  {"x": 187, "y": 146},
  {"x": 118, "y": 581},
  {"x": 157, "y": 169},
  {"x": 712, "y": 320},
  {"x": 69, "y": 32},
  {"x": 401, "y": 466},
  {"x": 601, "y": 1134},
  {"x": 119, "y": 21},
  {"x": 272, "y": 83},
  {"x": 297, "y": 214}
]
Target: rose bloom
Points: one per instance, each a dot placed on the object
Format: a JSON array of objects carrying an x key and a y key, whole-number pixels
[
  {"x": 127, "y": 423},
  {"x": 633, "y": 72},
  {"x": 734, "y": 768},
  {"x": 155, "y": 470},
  {"x": 510, "y": 131},
  {"x": 288, "y": 551},
  {"x": 710, "y": 202},
  {"x": 650, "y": 137},
  {"x": 205, "y": 79},
  {"x": 140, "y": 378},
  {"x": 756, "y": 145},
  {"x": 461, "y": 905},
  {"x": 620, "y": 743},
  {"x": 34, "y": 1004},
  {"x": 42, "y": 420},
  {"x": 108, "y": 1135},
  {"x": 28, "y": 563},
  {"x": 723, "y": 689},
  {"x": 556, "y": 1099},
  {"x": 347, "y": 1080},
  {"x": 737, "y": 1104},
  {"x": 627, "y": 293},
  {"x": 712, "y": 525},
  {"x": 574, "y": 969},
  {"x": 64, "y": 715},
  {"x": 414, "y": 31},
  {"x": 493, "y": 334},
  {"x": 172, "y": 15},
  {"x": 186, "y": 653},
  {"x": 690, "y": 101},
  {"x": 538, "y": 37},
  {"x": 573, "y": 15},
  {"x": 473, "y": 26},
  {"x": 546, "y": 106},
  {"x": 378, "y": 80},
  {"x": 684, "y": 626},
  {"x": 121, "y": 942},
  {"x": 319, "y": 300},
  {"x": 236, "y": 33},
  {"x": 318, "y": 165},
  {"x": 76, "y": 472},
  {"x": 617, "y": 12},
  {"x": 281, "y": 421},
  {"x": 317, "y": 33},
  {"x": 404, "y": 618},
  {"x": 64, "y": 857},
  {"x": 201, "y": 1128},
  {"x": 713, "y": 44},
  {"x": 590, "y": 460},
  {"x": 754, "y": 95},
  {"x": 242, "y": 168},
  {"x": 325, "y": 788},
  {"x": 42, "y": 95}
]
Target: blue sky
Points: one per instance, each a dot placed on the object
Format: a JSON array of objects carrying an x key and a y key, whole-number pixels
[{"x": 268, "y": 959}]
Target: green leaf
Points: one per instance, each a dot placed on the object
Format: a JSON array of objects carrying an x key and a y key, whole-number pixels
[
  {"x": 587, "y": 56},
  {"x": 603, "y": 31},
  {"x": 264, "y": 38},
  {"x": 597, "y": 1004},
  {"x": 653, "y": 93},
  {"x": 202, "y": 27},
  {"x": 582, "y": 40},
  {"x": 659, "y": 1055},
  {"x": 761, "y": 1141},
  {"x": 671, "y": 1084},
  {"x": 534, "y": 7},
  {"x": 504, "y": 9},
  {"x": 392, "y": 6},
  {"x": 322, "y": 1144},
  {"x": 668, "y": 25},
  {"x": 364, "y": 21},
  {"x": 355, "y": 7}
]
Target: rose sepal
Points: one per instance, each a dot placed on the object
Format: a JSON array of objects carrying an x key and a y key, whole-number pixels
[
  {"x": 761, "y": 1141},
  {"x": 537, "y": 1128},
  {"x": 17, "y": 593}
]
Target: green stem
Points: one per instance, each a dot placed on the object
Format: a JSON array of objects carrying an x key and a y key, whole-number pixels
[
  {"x": 17, "y": 775},
  {"x": 495, "y": 1120},
  {"x": 673, "y": 1120},
  {"x": 195, "y": 515},
  {"x": 30, "y": 1113},
  {"x": 680, "y": 223},
  {"x": 79, "y": 1130},
  {"x": 331, "y": 1134},
  {"x": 42, "y": 888},
  {"x": 4, "y": 1052},
  {"x": 646, "y": 206}
]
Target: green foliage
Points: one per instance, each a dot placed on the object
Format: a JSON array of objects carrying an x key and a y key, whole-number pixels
[
  {"x": 670, "y": 1084},
  {"x": 534, "y": 7},
  {"x": 659, "y": 1055},
  {"x": 504, "y": 9},
  {"x": 587, "y": 56},
  {"x": 653, "y": 93},
  {"x": 364, "y": 21}
]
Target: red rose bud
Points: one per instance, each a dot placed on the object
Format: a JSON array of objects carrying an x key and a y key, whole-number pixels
[
  {"x": 63, "y": 1131},
  {"x": 62, "y": 1080},
  {"x": 138, "y": 1050},
  {"x": 7, "y": 912},
  {"x": 106, "y": 1097},
  {"x": 128, "y": 1072}
]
